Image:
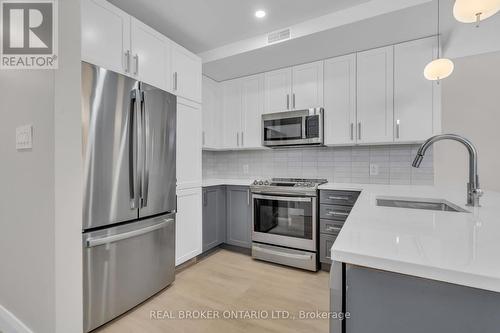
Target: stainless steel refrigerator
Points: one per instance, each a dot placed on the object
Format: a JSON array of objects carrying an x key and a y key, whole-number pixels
[{"x": 129, "y": 155}]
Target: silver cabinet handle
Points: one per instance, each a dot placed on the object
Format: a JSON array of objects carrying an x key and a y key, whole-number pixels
[
  {"x": 242, "y": 139},
  {"x": 92, "y": 242},
  {"x": 335, "y": 229},
  {"x": 127, "y": 61},
  {"x": 397, "y": 129},
  {"x": 352, "y": 131},
  {"x": 203, "y": 138},
  {"x": 337, "y": 214},
  {"x": 238, "y": 139},
  {"x": 287, "y": 101},
  {"x": 359, "y": 131},
  {"x": 136, "y": 69},
  {"x": 293, "y": 100},
  {"x": 248, "y": 197},
  {"x": 205, "y": 198},
  {"x": 338, "y": 198},
  {"x": 175, "y": 80}
]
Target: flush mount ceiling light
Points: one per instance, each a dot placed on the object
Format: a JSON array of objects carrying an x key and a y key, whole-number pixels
[
  {"x": 439, "y": 68},
  {"x": 469, "y": 11},
  {"x": 260, "y": 14}
]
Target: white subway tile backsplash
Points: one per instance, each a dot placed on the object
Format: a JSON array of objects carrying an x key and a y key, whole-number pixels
[{"x": 337, "y": 164}]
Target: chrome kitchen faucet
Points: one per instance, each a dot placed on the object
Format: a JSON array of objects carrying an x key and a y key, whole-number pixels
[{"x": 473, "y": 190}]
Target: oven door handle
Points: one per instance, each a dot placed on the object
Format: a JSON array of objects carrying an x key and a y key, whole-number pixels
[{"x": 272, "y": 197}]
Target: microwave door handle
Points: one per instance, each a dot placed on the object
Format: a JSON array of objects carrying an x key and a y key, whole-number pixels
[
  {"x": 133, "y": 150},
  {"x": 147, "y": 147}
]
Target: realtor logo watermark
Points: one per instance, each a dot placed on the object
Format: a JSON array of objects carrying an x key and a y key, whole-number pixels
[{"x": 28, "y": 34}]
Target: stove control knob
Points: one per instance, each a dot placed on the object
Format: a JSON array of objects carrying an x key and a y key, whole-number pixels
[
  {"x": 261, "y": 182},
  {"x": 255, "y": 182},
  {"x": 266, "y": 183}
]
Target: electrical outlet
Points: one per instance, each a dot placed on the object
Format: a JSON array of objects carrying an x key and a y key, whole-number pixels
[
  {"x": 373, "y": 169},
  {"x": 245, "y": 169},
  {"x": 24, "y": 137}
]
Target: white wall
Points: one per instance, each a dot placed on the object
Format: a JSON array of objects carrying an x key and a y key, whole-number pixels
[
  {"x": 40, "y": 196},
  {"x": 471, "y": 107},
  {"x": 68, "y": 173},
  {"x": 27, "y": 236}
]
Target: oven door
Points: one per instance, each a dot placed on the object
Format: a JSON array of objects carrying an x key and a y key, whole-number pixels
[{"x": 285, "y": 221}]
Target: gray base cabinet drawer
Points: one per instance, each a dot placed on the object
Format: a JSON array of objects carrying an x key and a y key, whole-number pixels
[
  {"x": 325, "y": 244},
  {"x": 338, "y": 197},
  {"x": 330, "y": 227},
  {"x": 334, "y": 212}
]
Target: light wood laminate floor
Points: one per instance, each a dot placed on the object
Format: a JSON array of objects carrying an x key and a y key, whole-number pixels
[{"x": 228, "y": 281}]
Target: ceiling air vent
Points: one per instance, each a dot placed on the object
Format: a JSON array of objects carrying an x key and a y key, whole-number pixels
[{"x": 278, "y": 36}]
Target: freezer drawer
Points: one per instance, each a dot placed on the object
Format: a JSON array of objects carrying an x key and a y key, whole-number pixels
[{"x": 125, "y": 265}]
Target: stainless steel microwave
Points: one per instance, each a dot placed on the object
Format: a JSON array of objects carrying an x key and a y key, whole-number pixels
[{"x": 293, "y": 128}]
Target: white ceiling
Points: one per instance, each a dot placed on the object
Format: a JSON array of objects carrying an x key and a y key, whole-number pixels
[{"x": 201, "y": 25}]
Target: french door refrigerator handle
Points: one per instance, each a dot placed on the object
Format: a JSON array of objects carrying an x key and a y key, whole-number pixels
[
  {"x": 140, "y": 147},
  {"x": 92, "y": 242},
  {"x": 147, "y": 146},
  {"x": 133, "y": 150}
]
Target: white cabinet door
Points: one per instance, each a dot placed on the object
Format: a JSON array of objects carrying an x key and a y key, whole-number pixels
[
  {"x": 340, "y": 100},
  {"x": 150, "y": 56},
  {"x": 231, "y": 96},
  {"x": 105, "y": 36},
  {"x": 189, "y": 154},
  {"x": 186, "y": 73},
  {"x": 416, "y": 100},
  {"x": 307, "y": 86},
  {"x": 212, "y": 114},
  {"x": 188, "y": 225},
  {"x": 375, "y": 95},
  {"x": 252, "y": 107},
  {"x": 278, "y": 90}
]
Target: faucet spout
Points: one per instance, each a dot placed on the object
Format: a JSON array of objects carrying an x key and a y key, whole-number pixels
[{"x": 473, "y": 190}]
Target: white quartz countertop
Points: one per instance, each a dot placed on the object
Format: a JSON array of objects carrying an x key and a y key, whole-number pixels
[
  {"x": 220, "y": 181},
  {"x": 459, "y": 248}
]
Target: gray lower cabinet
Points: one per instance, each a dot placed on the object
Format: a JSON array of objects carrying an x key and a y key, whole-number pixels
[
  {"x": 239, "y": 216},
  {"x": 214, "y": 216}
]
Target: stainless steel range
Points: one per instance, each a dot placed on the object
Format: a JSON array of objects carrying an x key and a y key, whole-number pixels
[{"x": 284, "y": 218}]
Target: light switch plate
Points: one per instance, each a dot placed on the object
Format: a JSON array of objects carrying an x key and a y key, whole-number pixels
[
  {"x": 24, "y": 137},
  {"x": 373, "y": 169}
]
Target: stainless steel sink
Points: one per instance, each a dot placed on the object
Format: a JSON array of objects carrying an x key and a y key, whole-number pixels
[{"x": 417, "y": 203}]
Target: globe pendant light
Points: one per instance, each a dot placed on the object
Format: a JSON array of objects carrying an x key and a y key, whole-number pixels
[
  {"x": 469, "y": 11},
  {"x": 439, "y": 68}
]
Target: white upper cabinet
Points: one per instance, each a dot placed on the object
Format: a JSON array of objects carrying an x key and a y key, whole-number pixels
[
  {"x": 278, "y": 90},
  {"x": 186, "y": 74},
  {"x": 211, "y": 114},
  {"x": 252, "y": 107},
  {"x": 105, "y": 36},
  {"x": 150, "y": 60},
  {"x": 375, "y": 82},
  {"x": 307, "y": 86},
  {"x": 416, "y": 100},
  {"x": 189, "y": 155},
  {"x": 340, "y": 100},
  {"x": 114, "y": 40},
  {"x": 231, "y": 96}
]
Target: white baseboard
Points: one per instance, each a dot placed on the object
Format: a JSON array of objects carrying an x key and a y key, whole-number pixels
[{"x": 10, "y": 323}]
